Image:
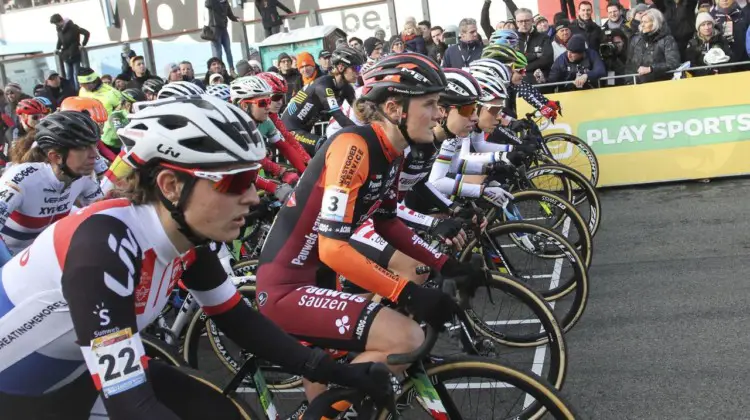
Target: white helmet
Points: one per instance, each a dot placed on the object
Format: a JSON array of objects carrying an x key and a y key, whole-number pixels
[
  {"x": 493, "y": 76},
  {"x": 199, "y": 131},
  {"x": 180, "y": 88},
  {"x": 220, "y": 91},
  {"x": 249, "y": 87}
]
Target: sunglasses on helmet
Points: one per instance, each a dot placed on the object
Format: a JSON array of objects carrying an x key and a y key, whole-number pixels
[{"x": 234, "y": 181}]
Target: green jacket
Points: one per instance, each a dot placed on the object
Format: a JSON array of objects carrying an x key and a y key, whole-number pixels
[
  {"x": 117, "y": 119},
  {"x": 106, "y": 94}
]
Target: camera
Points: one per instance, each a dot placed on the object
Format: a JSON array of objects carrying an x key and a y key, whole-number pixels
[{"x": 607, "y": 50}]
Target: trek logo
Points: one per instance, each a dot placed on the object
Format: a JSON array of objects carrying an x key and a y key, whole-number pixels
[
  {"x": 50, "y": 211},
  {"x": 167, "y": 151},
  {"x": 23, "y": 174},
  {"x": 310, "y": 240},
  {"x": 127, "y": 250}
]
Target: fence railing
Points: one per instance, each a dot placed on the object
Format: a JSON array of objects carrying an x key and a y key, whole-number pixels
[
  {"x": 314, "y": 18},
  {"x": 634, "y": 76}
]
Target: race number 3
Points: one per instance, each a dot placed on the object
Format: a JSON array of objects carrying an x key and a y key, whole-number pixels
[
  {"x": 333, "y": 207},
  {"x": 117, "y": 359}
]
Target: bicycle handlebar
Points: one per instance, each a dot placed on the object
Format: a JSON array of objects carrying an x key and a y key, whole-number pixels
[{"x": 419, "y": 353}]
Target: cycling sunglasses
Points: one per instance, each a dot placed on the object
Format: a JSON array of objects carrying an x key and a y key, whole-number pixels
[
  {"x": 466, "y": 111},
  {"x": 234, "y": 181},
  {"x": 493, "y": 109},
  {"x": 521, "y": 71},
  {"x": 262, "y": 102},
  {"x": 36, "y": 117},
  {"x": 277, "y": 97}
]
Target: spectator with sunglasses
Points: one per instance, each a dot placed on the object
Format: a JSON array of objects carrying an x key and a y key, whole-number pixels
[{"x": 324, "y": 96}]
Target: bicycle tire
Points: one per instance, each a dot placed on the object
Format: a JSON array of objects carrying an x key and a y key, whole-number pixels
[
  {"x": 582, "y": 242},
  {"x": 245, "y": 268},
  {"x": 591, "y": 166},
  {"x": 200, "y": 324},
  {"x": 585, "y": 197},
  {"x": 244, "y": 409},
  {"x": 548, "y": 400},
  {"x": 579, "y": 282},
  {"x": 158, "y": 349},
  {"x": 552, "y": 335}
]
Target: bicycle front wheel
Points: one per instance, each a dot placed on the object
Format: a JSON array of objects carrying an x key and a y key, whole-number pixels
[
  {"x": 480, "y": 389},
  {"x": 574, "y": 153}
]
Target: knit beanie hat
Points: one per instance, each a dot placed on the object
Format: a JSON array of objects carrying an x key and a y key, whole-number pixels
[{"x": 702, "y": 18}]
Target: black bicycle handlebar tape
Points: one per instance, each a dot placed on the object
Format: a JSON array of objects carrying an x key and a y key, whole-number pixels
[{"x": 418, "y": 354}]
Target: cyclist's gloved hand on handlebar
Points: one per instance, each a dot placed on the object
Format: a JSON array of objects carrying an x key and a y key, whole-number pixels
[
  {"x": 497, "y": 196},
  {"x": 450, "y": 231},
  {"x": 472, "y": 275},
  {"x": 526, "y": 148},
  {"x": 283, "y": 192},
  {"x": 290, "y": 177},
  {"x": 550, "y": 110},
  {"x": 427, "y": 305},
  {"x": 474, "y": 214}
]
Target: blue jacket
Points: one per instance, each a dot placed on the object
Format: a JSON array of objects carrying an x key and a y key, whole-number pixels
[
  {"x": 564, "y": 70},
  {"x": 461, "y": 54},
  {"x": 747, "y": 42}
]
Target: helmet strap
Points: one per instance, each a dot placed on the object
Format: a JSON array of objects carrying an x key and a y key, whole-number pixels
[
  {"x": 176, "y": 210},
  {"x": 401, "y": 123},
  {"x": 449, "y": 134},
  {"x": 65, "y": 169}
]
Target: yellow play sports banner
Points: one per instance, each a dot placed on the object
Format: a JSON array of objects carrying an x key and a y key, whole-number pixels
[{"x": 666, "y": 131}]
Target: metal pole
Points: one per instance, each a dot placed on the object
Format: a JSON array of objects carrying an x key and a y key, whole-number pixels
[
  {"x": 597, "y": 12},
  {"x": 3, "y": 78},
  {"x": 314, "y": 18},
  {"x": 60, "y": 66},
  {"x": 392, "y": 16},
  {"x": 426, "y": 10},
  {"x": 245, "y": 43},
  {"x": 148, "y": 47}
]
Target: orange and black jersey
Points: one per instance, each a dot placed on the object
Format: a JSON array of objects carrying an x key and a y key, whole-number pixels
[
  {"x": 320, "y": 97},
  {"x": 353, "y": 178}
]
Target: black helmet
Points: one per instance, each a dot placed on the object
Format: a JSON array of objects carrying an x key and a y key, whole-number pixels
[
  {"x": 66, "y": 130},
  {"x": 133, "y": 95},
  {"x": 152, "y": 86},
  {"x": 348, "y": 56},
  {"x": 407, "y": 74}
]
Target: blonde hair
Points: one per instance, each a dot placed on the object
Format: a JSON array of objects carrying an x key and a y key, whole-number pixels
[
  {"x": 139, "y": 187},
  {"x": 410, "y": 28}
]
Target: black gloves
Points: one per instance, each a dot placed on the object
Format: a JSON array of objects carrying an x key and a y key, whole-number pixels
[{"x": 427, "y": 305}]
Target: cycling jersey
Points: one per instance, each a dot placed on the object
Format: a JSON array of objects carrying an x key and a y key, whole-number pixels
[
  {"x": 32, "y": 198},
  {"x": 346, "y": 108},
  {"x": 297, "y": 156},
  {"x": 104, "y": 93},
  {"x": 78, "y": 296},
  {"x": 354, "y": 177},
  {"x": 322, "y": 97},
  {"x": 117, "y": 119},
  {"x": 529, "y": 93},
  {"x": 457, "y": 159}
]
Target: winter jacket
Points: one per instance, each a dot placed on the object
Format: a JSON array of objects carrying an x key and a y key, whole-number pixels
[
  {"x": 697, "y": 49},
  {"x": 137, "y": 81},
  {"x": 294, "y": 81},
  {"x": 57, "y": 95},
  {"x": 436, "y": 51},
  {"x": 269, "y": 15},
  {"x": 740, "y": 22},
  {"x": 537, "y": 48},
  {"x": 590, "y": 30},
  {"x": 462, "y": 54},
  {"x": 680, "y": 18},
  {"x": 415, "y": 43},
  {"x": 656, "y": 50},
  {"x": 125, "y": 63},
  {"x": 219, "y": 11},
  {"x": 565, "y": 70},
  {"x": 69, "y": 41}
]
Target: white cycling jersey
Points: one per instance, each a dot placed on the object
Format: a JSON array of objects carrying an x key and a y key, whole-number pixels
[
  {"x": 346, "y": 108},
  {"x": 32, "y": 198},
  {"x": 464, "y": 156}
]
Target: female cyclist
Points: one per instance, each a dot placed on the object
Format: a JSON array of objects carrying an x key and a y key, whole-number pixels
[
  {"x": 253, "y": 95},
  {"x": 292, "y": 151},
  {"x": 98, "y": 113},
  {"x": 352, "y": 179},
  {"x": 105, "y": 272},
  {"x": 29, "y": 112},
  {"x": 456, "y": 159},
  {"x": 47, "y": 178},
  {"x": 324, "y": 96}
]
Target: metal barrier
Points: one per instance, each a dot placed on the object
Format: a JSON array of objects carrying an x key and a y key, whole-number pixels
[{"x": 635, "y": 75}]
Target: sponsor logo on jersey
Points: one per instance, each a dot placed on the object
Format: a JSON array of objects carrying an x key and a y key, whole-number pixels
[
  {"x": 343, "y": 324},
  {"x": 416, "y": 240},
  {"x": 32, "y": 322},
  {"x": 305, "y": 110},
  {"x": 364, "y": 320},
  {"x": 56, "y": 199},
  {"x": 49, "y": 211},
  {"x": 310, "y": 240},
  {"x": 127, "y": 250},
  {"x": 330, "y": 293},
  {"x": 262, "y": 298},
  {"x": 23, "y": 174},
  {"x": 353, "y": 159},
  {"x": 49, "y": 190}
]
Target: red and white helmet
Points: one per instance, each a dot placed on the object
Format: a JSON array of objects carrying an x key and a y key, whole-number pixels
[{"x": 276, "y": 81}]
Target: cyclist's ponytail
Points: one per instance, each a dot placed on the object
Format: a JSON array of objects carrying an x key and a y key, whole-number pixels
[
  {"x": 368, "y": 111},
  {"x": 24, "y": 151}
]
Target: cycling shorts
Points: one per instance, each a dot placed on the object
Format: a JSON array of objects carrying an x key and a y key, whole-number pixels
[
  {"x": 307, "y": 139},
  {"x": 187, "y": 397},
  {"x": 322, "y": 317}
]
